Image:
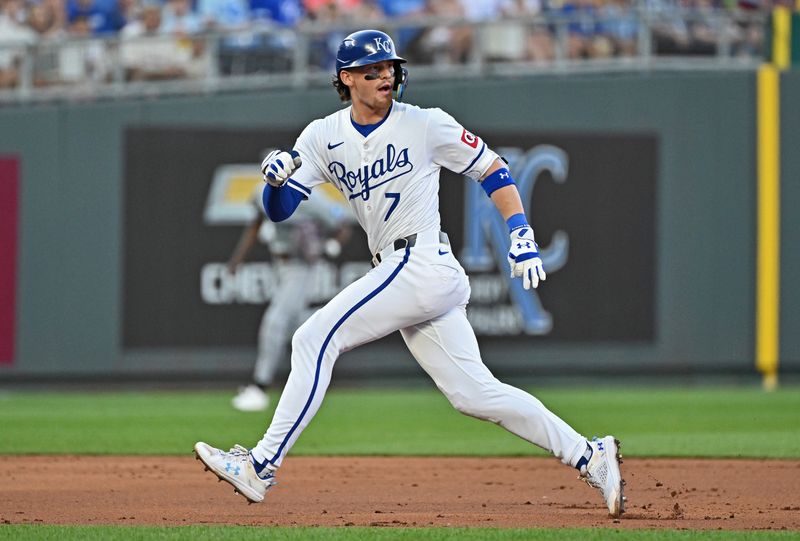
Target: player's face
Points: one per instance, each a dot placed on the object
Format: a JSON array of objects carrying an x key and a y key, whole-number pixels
[{"x": 372, "y": 85}]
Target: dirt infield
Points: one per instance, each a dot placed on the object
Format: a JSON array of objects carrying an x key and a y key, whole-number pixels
[{"x": 400, "y": 492}]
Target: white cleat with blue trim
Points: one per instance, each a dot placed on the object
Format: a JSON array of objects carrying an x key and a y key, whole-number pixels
[
  {"x": 236, "y": 467},
  {"x": 602, "y": 472}
]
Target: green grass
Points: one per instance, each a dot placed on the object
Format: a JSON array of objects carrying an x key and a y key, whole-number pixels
[
  {"x": 701, "y": 422},
  {"x": 243, "y": 533},
  {"x": 720, "y": 422}
]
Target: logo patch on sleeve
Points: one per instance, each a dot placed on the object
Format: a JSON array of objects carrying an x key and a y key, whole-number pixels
[{"x": 469, "y": 139}]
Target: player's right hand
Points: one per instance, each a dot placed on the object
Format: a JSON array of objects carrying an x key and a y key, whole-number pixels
[{"x": 279, "y": 165}]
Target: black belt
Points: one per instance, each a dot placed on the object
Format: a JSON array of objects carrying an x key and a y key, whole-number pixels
[{"x": 406, "y": 242}]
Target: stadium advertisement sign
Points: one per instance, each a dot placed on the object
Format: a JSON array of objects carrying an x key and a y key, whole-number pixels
[{"x": 593, "y": 208}]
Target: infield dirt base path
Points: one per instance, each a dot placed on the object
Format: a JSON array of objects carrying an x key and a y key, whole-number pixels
[{"x": 400, "y": 492}]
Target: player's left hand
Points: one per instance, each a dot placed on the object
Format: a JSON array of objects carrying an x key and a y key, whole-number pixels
[
  {"x": 523, "y": 257},
  {"x": 279, "y": 165}
]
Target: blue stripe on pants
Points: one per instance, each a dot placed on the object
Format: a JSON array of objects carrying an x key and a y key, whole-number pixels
[{"x": 325, "y": 345}]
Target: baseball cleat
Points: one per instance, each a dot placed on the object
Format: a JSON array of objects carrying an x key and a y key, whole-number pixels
[
  {"x": 235, "y": 467},
  {"x": 251, "y": 398},
  {"x": 602, "y": 472}
]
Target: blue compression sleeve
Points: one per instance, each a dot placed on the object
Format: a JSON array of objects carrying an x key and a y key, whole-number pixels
[{"x": 280, "y": 203}]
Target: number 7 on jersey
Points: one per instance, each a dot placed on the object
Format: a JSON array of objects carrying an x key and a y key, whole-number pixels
[{"x": 396, "y": 197}]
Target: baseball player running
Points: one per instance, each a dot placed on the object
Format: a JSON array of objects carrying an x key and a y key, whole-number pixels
[{"x": 384, "y": 156}]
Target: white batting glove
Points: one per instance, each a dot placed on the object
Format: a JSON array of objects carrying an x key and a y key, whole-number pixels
[
  {"x": 523, "y": 257},
  {"x": 279, "y": 165}
]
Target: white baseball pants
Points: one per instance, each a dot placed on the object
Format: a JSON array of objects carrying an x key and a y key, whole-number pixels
[{"x": 421, "y": 291}]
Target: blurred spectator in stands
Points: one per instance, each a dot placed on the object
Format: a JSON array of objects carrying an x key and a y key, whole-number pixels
[
  {"x": 179, "y": 19},
  {"x": 670, "y": 34},
  {"x": 50, "y": 39},
  {"x": 444, "y": 43},
  {"x": 123, "y": 12},
  {"x": 362, "y": 11},
  {"x": 749, "y": 41},
  {"x": 274, "y": 46},
  {"x": 584, "y": 39},
  {"x": 367, "y": 10},
  {"x": 240, "y": 43},
  {"x": 620, "y": 25},
  {"x": 403, "y": 9},
  {"x": 686, "y": 27},
  {"x": 513, "y": 38},
  {"x": 82, "y": 58},
  {"x": 707, "y": 29},
  {"x": 15, "y": 36},
  {"x": 324, "y": 45},
  {"x": 13, "y": 14},
  {"x": 481, "y": 10},
  {"x": 58, "y": 10},
  {"x": 328, "y": 8},
  {"x": 182, "y": 23},
  {"x": 701, "y": 23},
  {"x": 42, "y": 20},
  {"x": 98, "y": 12},
  {"x": 499, "y": 40},
  {"x": 454, "y": 40},
  {"x": 283, "y": 12},
  {"x": 541, "y": 47},
  {"x": 224, "y": 14},
  {"x": 149, "y": 55}
]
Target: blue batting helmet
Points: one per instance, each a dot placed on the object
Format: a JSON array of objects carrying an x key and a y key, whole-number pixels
[{"x": 365, "y": 47}]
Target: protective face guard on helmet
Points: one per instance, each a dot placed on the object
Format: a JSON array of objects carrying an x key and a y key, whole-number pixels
[{"x": 400, "y": 84}]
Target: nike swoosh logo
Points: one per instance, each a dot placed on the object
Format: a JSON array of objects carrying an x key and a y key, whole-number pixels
[
  {"x": 331, "y": 147},
  {"x": 442, "y": 253}
]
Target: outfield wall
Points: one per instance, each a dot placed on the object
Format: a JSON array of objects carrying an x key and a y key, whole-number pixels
[
  {"x": 660, "y": 274},
  {"x": 790, "y": 221}
]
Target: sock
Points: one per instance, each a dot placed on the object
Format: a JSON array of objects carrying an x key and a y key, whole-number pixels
[
  {"x": 584, "y": 460},
  {"x": 263, "y": 470}
]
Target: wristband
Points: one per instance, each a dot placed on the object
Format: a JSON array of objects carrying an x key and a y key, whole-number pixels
[
  {"x": 495, "y": 181},
  {"x": 517, "y": 221}
]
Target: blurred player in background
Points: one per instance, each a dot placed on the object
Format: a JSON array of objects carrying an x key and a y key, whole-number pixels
[{"x": 295, "y": 246}]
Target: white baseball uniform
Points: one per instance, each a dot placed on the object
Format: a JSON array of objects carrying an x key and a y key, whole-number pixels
[{"x": 391, "y": 179}]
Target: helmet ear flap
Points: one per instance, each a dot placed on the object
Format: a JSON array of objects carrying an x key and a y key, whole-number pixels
[{"x": 400, "y": 81}]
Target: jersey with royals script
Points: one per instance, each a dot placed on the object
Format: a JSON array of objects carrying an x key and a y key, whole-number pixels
[{"x": 391, "y": 176}]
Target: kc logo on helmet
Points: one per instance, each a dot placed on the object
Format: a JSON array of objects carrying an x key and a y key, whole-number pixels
[{"x": 383, "y": 45}]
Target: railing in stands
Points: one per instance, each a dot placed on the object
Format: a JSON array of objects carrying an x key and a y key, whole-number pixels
[{"x": 268, "y": 56}]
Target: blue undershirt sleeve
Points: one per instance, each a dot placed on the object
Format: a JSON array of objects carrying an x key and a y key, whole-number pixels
[{"x": 280, "y": 203}]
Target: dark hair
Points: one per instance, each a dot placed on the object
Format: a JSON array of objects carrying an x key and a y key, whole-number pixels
[{"x": 341, "y": 88}]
